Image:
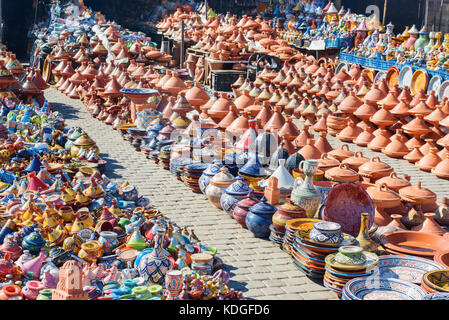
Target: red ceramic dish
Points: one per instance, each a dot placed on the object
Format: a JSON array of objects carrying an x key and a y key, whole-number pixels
[
  {"x": 345, "y": 204},
  {"x": 416, "y": 243}
]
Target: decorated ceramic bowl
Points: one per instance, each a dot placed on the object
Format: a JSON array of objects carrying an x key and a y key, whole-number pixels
[
  {"x": 377, "y": 288},
  {"x": 326, "y": 232}
]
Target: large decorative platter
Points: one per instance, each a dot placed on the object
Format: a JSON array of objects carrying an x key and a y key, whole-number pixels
[
  {"x": 392, "y": 76},
  {"x": 434, "y": 84},
  {"x": 407, "y": 268},
  {"x": 379, "y": 75},
  {"x": 376, "y": 288},
  {"x": 419, "y": 81},
  {"x": 341, "y": 65},
  {"x": 442, "y": 92},
  {"x": 405, "y": 76},
  {"x": 345, "y": 204}
]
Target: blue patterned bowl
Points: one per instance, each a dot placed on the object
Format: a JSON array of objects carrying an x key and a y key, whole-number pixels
[{"x": 377, "y": 288}]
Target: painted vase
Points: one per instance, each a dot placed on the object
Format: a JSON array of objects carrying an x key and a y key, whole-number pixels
[
  {"x": 129, "y": 193},
  {"x": 241, "y": 209},
  {"x": 326, "y": 232},
  {"x": 109, "y": 241},
  {"x": 217, "y": 186},
  {"x": 306, "y": 195},
  {"x": 259, "y": 219},
  {"x": 32, "y": 289},
  {"x": 208, "y": 174},
  {"x": 173, "y": 284},
  {"x": 364, "y": 239},
  {"x": 153, "y": 266}
]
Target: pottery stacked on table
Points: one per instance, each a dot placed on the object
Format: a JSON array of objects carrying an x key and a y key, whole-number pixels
[{"x": 348, "y": 263}]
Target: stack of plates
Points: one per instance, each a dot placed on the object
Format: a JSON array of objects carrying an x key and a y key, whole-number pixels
[
  {"x": 177, "y": 163},
  {"x": 292, "y": 226},
  {"x": 310, "y": 256},
  {"x": 191, "y": 174},
  {"x": 154, "y": 155},
  {"x": 276, "y": 236},
  {"x": 164, "y": 157}
]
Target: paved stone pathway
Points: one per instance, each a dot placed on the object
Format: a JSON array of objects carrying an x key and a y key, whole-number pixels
[{"x": 259, "y": 268}]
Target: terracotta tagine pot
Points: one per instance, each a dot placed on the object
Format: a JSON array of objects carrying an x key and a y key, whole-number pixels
[
  {"x": 322, "y": 144},
  {"x": 342, "y": 173},
  {"x": 375, "y": 169},
  {"x": 342, "y": 153},
  {"x": 418, "y": 195},
  {"x": 383, "y": 198},
  {"x": 430, "y": 225},
  {"x": 355, "y": 161},
  {"x": 325, "y": 162},
  {"x": 395, "y": 183}
]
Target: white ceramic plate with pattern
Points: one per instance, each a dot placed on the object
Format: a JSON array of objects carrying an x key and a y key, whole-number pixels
[
  {"x": 379, "y": 75},
  {"x": 405, "y": 76},
  {"x": 434, "y": 84},
  {"x": 442, "y": 92}
]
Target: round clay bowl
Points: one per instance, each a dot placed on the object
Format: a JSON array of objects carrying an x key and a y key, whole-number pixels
[
  {"x": 416, "y": 243},
  {"x": 442, "y": 257}
]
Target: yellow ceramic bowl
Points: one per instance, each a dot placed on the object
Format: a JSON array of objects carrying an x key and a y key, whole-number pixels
[{"x": 318, "y": 176}]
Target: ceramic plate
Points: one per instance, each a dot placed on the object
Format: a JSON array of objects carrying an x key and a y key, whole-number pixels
[
  {"x": 345, "y": 204},
  {"x": 371, "y": 260},
  {"x": 380, "y": 75},
  {"x": 434, "y": 84},
  {"x": 407, "y": 268},
  {"x": 442, "y": 92},
  {"x": 375, "y": 288},
  {"x": 349, "y": 275},
  {"x": 341, "y": 65},
  {"x": 419, "y": 81},
  {"x": 405, "y": 76},
  {"x": 392, "y": 76}
]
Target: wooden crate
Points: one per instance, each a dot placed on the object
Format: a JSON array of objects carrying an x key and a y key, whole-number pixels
[{"x": 221, "y": 80}]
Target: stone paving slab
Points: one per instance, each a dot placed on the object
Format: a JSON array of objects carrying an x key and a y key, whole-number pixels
[{"x": 259, "y": 268}]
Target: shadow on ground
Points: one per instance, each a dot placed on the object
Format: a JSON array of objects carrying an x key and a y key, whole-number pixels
[{"x": 67, "y": 111}]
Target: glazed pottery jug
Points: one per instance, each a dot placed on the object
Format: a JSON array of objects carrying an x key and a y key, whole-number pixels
[
  {"x": 218, "y": 185},
  {"x": 208, "y": 174},
  {"x": 363, "y": 238},
  {"x": 259, "y": 218},
  {"x": 327, "y": 233},
  {"x": 154, "y": 266},
  {"x": 306, "y": 195}
]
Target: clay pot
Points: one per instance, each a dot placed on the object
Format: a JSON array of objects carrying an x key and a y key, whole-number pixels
[
  {"x": 301, "y": 139},
  {"x": 374, "y": 95},
  {"x": 395, "y": 183},
  {"x": 383, "y": 197},
  {"x": 326, "y": 162},
  {"x": 196, "y": 96},
  {"x": 289, "y": 129},
  {"x": 174, "y": 84},
  {"x": 429, "y": 161},
  {"x": 322, "y": 144},
  {"x": 364, "y": 138},
  {"x": 220, "y": 108},
  {"x": 417, "y": 194},
  {"x": 350, "y": 104},
  {"x": 441, "y": 170},
  {"x": 396, "y": 148},
  {"x": 342, "y": 153},
  {"x": 309, "y": 151},
  {"x": 264, "y": 115},
  {"x": 342, "y": 173},
  {"x": 375, "y": 169},
  {"x": 350, "y": 133},
  {"x": 380, "y": 141},
  {"x": 430, "y": 225},
  {"x": 355, "y": 161}
]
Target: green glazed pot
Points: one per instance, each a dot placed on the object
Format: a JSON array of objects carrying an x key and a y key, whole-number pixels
[{"x": 45, "y": 294}]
